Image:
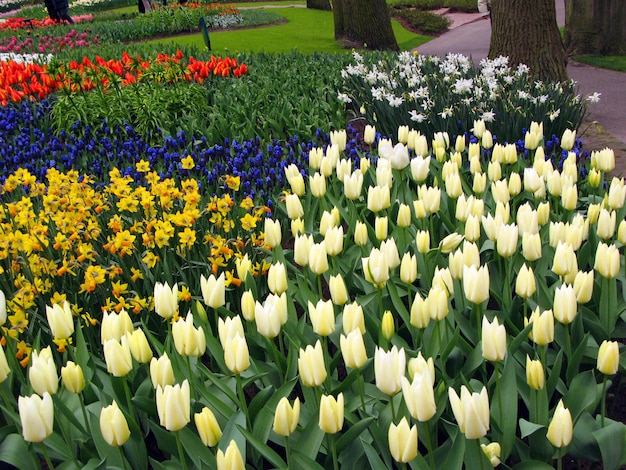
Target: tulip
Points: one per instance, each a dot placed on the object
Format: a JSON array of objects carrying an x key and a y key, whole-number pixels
[
  {"x": 333, "y": 240},
  {"x": 568, "y": 139},
  {"x": 247, "y": 305},
  {"x": 542, "y": 332},
  {"x": 617, "y": 193},
  {"x": 208, "y": 428},
  {"x": 500, "y": 191},
  {"x": 4, "y": 366},
  {"x": 493, "y": 340},
  {"x": 293, "y": 206},
  {"x": 173, "y": 406},
  {"x": 115, "y": 326},
  {"x": 608, "y": 357},
  {"x": 420, "y": 316},
  {"x": 318, "y": 259},
  {"x": 431, "y": 197},
  {"x": 322, "y": 317},
  {"x": 271, "y": 315},
  {"x": 420, "y": 209},
  {"x": 243, "y": 267},
  {"x": 422, "y": 241},
  {"x": 364, "y": 165},
  {"x": 277, "y": 278},
  {"x": 560, "y": 429},
  {"x": 272, "y": 233},
  {"x": 369, "y": 135},
  {"x": 286, "y": 417},
  {"x": 487, "y": 140},
  {"x": 378, "y": 198},
  {"x": 389, "y": 369},
  {"x": 531, "y": 246},
  {"x": 402, "y": 441},
  {"x": 72, "y": 377},
  {"x": 420, "y": 168},
  {"x": 384, "y": 173},
  {"x": 360, "y": 234},
  {"x": 353, "y": 349},
  {"x": 479, "y": 128},
  {"x": 419, "y": 365},
  {"x": 525, "y": 284},
  {"x": 118, "y": 357},
  {"x": 408, "y": 268},
  {"x": 189, "y": 341},
  {"x": 583, "y": 286},
  {"x": 594, "y": 178},
  {"x": 165, "y": 300},
  {"x": 437, "y": 303},
  {"x": 603, "y": 160},
  {"x": 43, "y": 373},
  {"x": 450, "y": 242},
  {"x": 507, "y": 240},
  {"x": 231, "y": 459},
  {"x": 229, "y": 328},
  {"x": 453, "y": 186},
  {"x": 3, "y": 308},
  {"x": 331, "y": 413},
  {"x": 113, "y": 425},
  {"x": 214, "y": 290},
  {"x": 315, "y": 157},
  {"x": 565, "y": 261},
  {"x": 535, "y": 375},
  {"x": 555, "y": 183},
  {"x": 564, "y": 305},
  {"x": 353, "y": 185},
  {"x": 476, "y": 283},
  {"x": 60, "y": 320},
  {"x": 494, "y": 171},
  {"x": 398, "y": 155},
  {"x": 36, "y": 417},
  {"x": 311, "y": 365},
  {"x": 569, "y": 197},
  {"x": 471, "y": 411},
  {"x": 139, "y": 347},
  {"x": 387, "y": 325},
  {"x": 301, "y": 248},
  {"x": 419, "y": 396},
  {"x": 376, "y": 268},
  {"x": 381, "y": 225},
  {"x": 338, "y": 290},
  {"x": 403, "y": 219},
  {"x": 353, "y": 318},
  {"x": 161, "y": 371},
  {"x": 607, "y": 261},
  {"x": 492, "y": 451},
  {"x": 606, "y": 224},
  {"x": 236, "y": 354}
]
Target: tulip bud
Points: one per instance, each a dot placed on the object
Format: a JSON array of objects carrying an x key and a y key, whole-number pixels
[
  {"x": 60, "y": 320},
  {"x": 42, "y": 373},
  {"x": 353, "y": 185},
  {"x": 277, "y": 278},
  {"x": 479, "y": 183},
  {"x": 271, "y": 315},
  {"x": 338, "y": 291},
  {"x": 378, "y": 198},
  {"x": 115, "y": 326},
  {"x": 603, "y": 160},
  {"x": 471, "y": 411},
  {"x": 422, "y": 240},
  {"x": 617, "y": 193},
  {"x": 453, "y": 186},
  {"x": 408, "y": 268},
  {"x": 214, "y": 290},
  {"x": 4, "y": 366},
  {"x": 507, "y": 240},
  {"x": 364, "y": 165},
  {"x": 311, "y": 365},
  {"x": 118, "y": 357},
  {"x": 437, "y": 303},
  {"x": 236, "y": 354},
  {"x": 322, "y": 317},
  {"x": 301, "y": 249},
  {"x": 389, "y": 369},
  {"x": 243, "y": 267},
  {"x": 286, "y": 417},
  {"x": 419, "y": 396},
  {"x": 487, "y": 140},
  {"x": 353, "y": 349},
  {"x": 565, "y": 261},
  {"x": 113, "y": 425},
  {"x": 535, "y": 375},
  {"x": 607, "y": 261},
  {"x": 247, "y": 305},
  {"x": 272, "y": 232},
  {"x": 608, "y": 357},
  {"x": 476, "y": 283},
  {"x": 387, "y": 326},
  {"x": 189, "y": 341},
  {"x": 293, "y": 206},
  {"x": 333, "y": 241},
  {"x": 431, "y": 198},
  {"x": 36, "y": 417},
  {"x": 353, "y": 318},
  {"x": 369, "y": 135},
  {"x": 402, "y": 441},
  {"x": 376, "y": 268},
  {"x": 174, "y": 406},
  {"x": 231, "y": 459},
  {"x": 525, "y": 284},
  {"x": 450, "y": 242},
  {"x": 360, "y": 234},
  {"x": 492, "y": 451},
  {"x": 380, "y": 227},
  {"x": 3, "y": 308},
  {"x": 139, "y": 347},
  {"x": 165, "y": 300},
  {"x": 568, "y": 138},
  {"x": 403, "y": 218},
  {"x": 479, "y": 128},
  {"x": 420, "y": 316},
  {"x": 494, "y": 171},
  {"x": 606, "y": 224},
  {"x": 161, "y": 371},
  {"x": 208, "y": 428},
  {"x": 564, "y": 306},
  {"x": 542, "y": 332},
  {"x": 583, "y": 286},
  {"x": 531, "y": 246},
  {"x": 318, "y": 259},
  {"x": 561, "y": 428},
  {"x": 72, "y": 377},
  {"x": 420, "y": 168},
  {"x": 493, "y": 340},
  {"x": 331, "y": 413}
]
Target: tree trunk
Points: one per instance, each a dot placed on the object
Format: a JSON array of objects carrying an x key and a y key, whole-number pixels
[
  {"x": 595, "y": 27},
  {"x": 319, "y": 4},
  {"x": 365, "y": 22},
  {"x": 527, "y": 32}
]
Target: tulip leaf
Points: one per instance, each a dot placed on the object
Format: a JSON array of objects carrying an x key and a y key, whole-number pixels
[
  {"x": 373, "y": 456},
  {"x": 195, "y": 449},
  {"x": 527, "y": 428},
  {"x": 303, "y": 462},
  {"x": 14, "y": 451},
  {"x": 533, "y": 465},
  {"x": 611, "y": 440},
  {"x": 232, "y": 432},
  {"x": 582, "y": 394},
  {"x": 352, "y": 433},
  {"x": 454, "y": 458},
  {"x": 504, "y": 407},
  {"x": 584, "y": 446},
  {"x": 265, "y": 450},
  {"x": 262, "y": 423},
  {"x": 310, "y": 439},
  {"x": 61, "y": 405}
]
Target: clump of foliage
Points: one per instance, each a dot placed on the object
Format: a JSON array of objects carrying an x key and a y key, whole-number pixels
[{"x": 423, "y": 21}]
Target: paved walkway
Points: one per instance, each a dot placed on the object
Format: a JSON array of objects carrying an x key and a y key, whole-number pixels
[{"x": 470, "y": 34}]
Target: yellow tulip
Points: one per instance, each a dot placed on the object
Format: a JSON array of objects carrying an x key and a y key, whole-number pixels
[
  {"x": 72, "y": 377},
  {"x": 471, "y": 411},
  {"x": 607, "y": 261},
  {"x": 378, "y": 198},
  {"x": 476, "y": 283},
  {"x": 294, "y": 206},
  {"x": 338, "y": 290},
  {"x": 36, "y": 417},
  {"x": 353, "y": 349},
  {"x": 333, "y": 240},
  {"x": 60, "y": 320},
  {"x": 322, "y": 317},
  {"x": 492, "y": 451},
  {"x": 353, "y": 318},
  {"x": 165, "y": 300},
  {"x": 608, "y": 357},
  {"x": 139, "y": 347},
  {"x": 408, "y": 268},
  {"x": 118, "y": 357},
  {"x": 286, "y": 417},
  {"x": 369, "y": 135},
  {"x": 311, "y": 365},
  {"x": 208, "y": 428},
  {"x": 564, "y": 304},
  {"x": 389, "y": 369},
  {"x": 236, "y": 354},
  {"x": 560, "y": 429},
  {"x": 387, "y": 327},
  {"x": 231, "y": 459},
  {"x": 161, "y": 371},
  {"x": 535, "y": 375},
  {"x": 402, "y": 441},
  {"x": 115, "y": 326},
  {"x": 277, "y": 278},
  {"x": 318, "y": 258},
  {"x": 301, "y": 247},
  {"x": 525, "y": 284},
  {"x": 188, "y": 340},
  {"x": 493, "y": 340},
  {"x": 174, "y": 406},
  {"x": 113, "y": 425},
  {"x": 42, "y": 374},
  {"x": 214, "y": 289},
  {"x": 419, "y": 396},
  {"x": 331, "y": 413},
  {"x": 272, "y": 232}
]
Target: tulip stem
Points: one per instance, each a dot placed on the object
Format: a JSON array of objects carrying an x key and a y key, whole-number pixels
[
  {"x": 359, "y": 382},
  {"x": 603, "y": 402},
  {"x": 288, "y": 452},
  {"x": 123, "y": 457},
  {"x": 559, "y": 459},
  {"x": 429, "y": 446},
  {"x": 242, "y": 398},
  {"x": 480, "y": 454},
  {"x": 179, "y": 446},
  {"x": 568, "y": 344},
  {"x": 46, "y": 456},
  {"x": 333, "y": 450},
  {"x": 393, "y": 410},
  {"x": 326, "y": 362}
]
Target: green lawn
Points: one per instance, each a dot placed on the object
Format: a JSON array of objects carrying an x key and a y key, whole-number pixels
[
  {"x": 612, "y": 62},
  {"x": 306, "y": 31}
]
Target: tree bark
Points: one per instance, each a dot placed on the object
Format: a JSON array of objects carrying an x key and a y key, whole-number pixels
[
  {"x": 595, "y": 27},
  {"x": 527, "y": 32},
  {"x": 365, "y": 22},
  {"x": 319, "y": 4}
]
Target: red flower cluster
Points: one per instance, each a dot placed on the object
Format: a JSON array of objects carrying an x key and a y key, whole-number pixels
[
  {"x": 31, "y": 23},
  {"x": 34, "y": 81}
]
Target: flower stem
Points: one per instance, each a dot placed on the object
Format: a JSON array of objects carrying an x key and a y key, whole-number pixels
[
  {"x": 429, "y": 446},
  {"x": 179, "y": 446},
  {"x": 603, "y": 402},
  {"x": 480, "y": 454},
  {"x": 46, "y": 456},
  {"x": 242, "y": 398},
  {"x": 393, "y": 410},
  {"x": 333, "y": 450},
  {"x": 359, "y": 382},
  {"x": 288, "y": 451},
  {"x": 123, "y": 457}
]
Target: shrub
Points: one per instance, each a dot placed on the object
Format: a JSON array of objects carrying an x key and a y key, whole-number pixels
[{"x": 423, "y": 21}]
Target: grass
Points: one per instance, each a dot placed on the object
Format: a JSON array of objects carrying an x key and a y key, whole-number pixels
[
  {"x": 611, "y": 62},
  {"x": 307, "y": 31}
]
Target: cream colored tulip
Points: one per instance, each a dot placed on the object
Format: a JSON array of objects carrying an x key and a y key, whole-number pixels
[
  {"x": 161, "y": 371},
  {"x": 389, "y": 369},
  {"x": 286, "y": 417},
  {"x": 322, "y": 317},
  {"x": 60, "y": 320},
  {"x": 471, "y": 411},
  {"x": 188, "y": 340},
  {"x": 353, "y": 349},
  {"x": 301, "y": 248},
  {"x": 360, "y": 234},
  {"x": 402, "y": 441},
  {"x": 231, "y": 459},
  {"x": 353, "y": 318},
  {"x": 420, "y": 316},
  {"x": 331, "y": 413},
  {"x": 165, "y": 300},
  {"x": 277, "y": 278},
  {"x": 564, "y": 304},
  {"x": 525, "y": 284},
  {"x": 174, "y": 406},
  {"x": 113, "y": 425},
  {"x": 139, "y": 346},
  {"x": 607, "y": 261},
  {"x": 378, "y": 198},
  {"x": 608, "y": 357},
  {"x": 542, "y": 332},
  {"x": 36, "y": 417},
  {"x": 72, "y": 377},
  {"x": 236, "y": 354},
  {"x": 476, "y": 283},
  {"x": 271, "y": 315},
  {"x": 311, "y": 365},
  {"x": 419, "y": 396},
  {"x": 353, "y": 185},
  {"x": 493, "y": 340},
  {"x": 535, "y": 375},
  {"x": 214, "y": 290},
  {"x": 338, "y": 290},
  {"x": 115, "y": 326},
  {"x": 420, "y": 167},
  {"x": 561, "y": 428},
  {"x": 318, "y": 258},
  {"x": 118, "y": 357},
  {"x": 208, "y": 428}
]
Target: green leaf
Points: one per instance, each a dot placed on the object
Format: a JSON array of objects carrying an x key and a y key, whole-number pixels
[
  {"x": 310, "y": 440},
  {"x": 13, "y": 450},
  {"x": 582, "y": 394},
  {"x": 232, "y": 432},
  {"x": 266, "y": 451},
  {"x": 533, "y": 465},
  {"x": 303, "y": 462},
  {"x": 584, "y": 446},
  {"x": 612, "y": 442},
  {"x": 454, "y": 459},
  {"x": 352, "y": 433},
  {"x": 505, "y": 411},
  {"x": 372, "y": 456},
  {"x": 527, "y": 428}
]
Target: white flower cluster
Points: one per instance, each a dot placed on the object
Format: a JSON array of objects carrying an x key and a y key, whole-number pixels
[
  {"x": 26, "y": 58},
  {"x": 223, "y": 21},
  {"x": 87, "y": 3}
]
